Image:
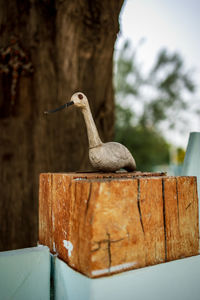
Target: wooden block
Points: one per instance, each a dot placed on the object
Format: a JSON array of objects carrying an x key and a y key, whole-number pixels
[{"x": 101, "y": 224}]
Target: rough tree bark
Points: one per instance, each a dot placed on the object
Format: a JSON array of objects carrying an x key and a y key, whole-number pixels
[{"x": 49, "y": 50}]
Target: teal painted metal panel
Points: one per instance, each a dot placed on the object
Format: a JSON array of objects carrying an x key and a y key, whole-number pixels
[
  {"x": 191, "y": 165},
  {"x": 69, "y": 284},
  {"x": 176, "y": 280},
  {"x": 25, "y": 274}
]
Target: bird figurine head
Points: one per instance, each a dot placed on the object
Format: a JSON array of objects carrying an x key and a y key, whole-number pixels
[{"x": 78, "y": 99}]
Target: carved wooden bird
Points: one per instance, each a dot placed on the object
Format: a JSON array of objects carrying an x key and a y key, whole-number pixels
[{"x": 107, "y": 157}]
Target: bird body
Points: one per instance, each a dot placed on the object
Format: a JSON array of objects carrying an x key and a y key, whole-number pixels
[
  {"x": 107, "y": 157},
  {"x": 110, "y": 157}
]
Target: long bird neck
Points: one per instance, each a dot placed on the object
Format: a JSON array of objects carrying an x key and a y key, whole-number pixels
[{"x": 93, "y": 136}]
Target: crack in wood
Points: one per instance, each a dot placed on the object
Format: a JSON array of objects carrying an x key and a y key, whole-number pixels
[
  {"x": 188, "y": 205},
  {"x": 194, "y": 191},
  {"x": 177, "y": 199},
  {"x": 138, "y": 205},
  {"x": 109, "y": 252},
  {"x": 164, "y": 218},
  {"x": 88, "y": 199},
  {"x": 109, "y": 242},
  {"x": 78, "y": 227},
  {"x": 75, "y": 197},
  {"x": 99, "y": 243},
  {"x": 98, "y": 248}
]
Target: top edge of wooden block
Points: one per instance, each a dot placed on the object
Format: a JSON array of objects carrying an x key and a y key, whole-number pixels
[{"x": 99, "y": 176}]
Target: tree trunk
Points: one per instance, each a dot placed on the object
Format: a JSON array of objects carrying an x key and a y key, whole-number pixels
[{"x": 48, "y": 51}]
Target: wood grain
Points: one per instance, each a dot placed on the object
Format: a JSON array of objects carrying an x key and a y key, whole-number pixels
[{"x": 101, "y": 224}]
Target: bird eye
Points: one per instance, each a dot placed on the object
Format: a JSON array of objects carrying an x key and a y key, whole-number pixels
[{"x": 80, "y": 96}]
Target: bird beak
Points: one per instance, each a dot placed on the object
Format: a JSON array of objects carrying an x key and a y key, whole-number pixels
[{"x": 59, "y": 108}]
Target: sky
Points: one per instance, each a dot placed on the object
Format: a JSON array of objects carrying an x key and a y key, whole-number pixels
[{"x": 173, "y": 24}]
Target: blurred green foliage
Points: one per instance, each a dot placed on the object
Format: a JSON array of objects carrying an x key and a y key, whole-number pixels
[
  {"x": 165, "y": 86},
  {"x": 180, "y": 155},
  {"x": 148, "y": 147}
]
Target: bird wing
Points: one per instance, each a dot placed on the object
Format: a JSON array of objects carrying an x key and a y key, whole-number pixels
[{"x": 118, "y": 151}]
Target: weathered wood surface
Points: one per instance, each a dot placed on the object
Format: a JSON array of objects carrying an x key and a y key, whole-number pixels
[{"x": 106, "y": 223}]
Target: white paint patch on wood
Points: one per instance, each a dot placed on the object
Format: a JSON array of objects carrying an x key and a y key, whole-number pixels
[
  {"x": 54, "y": 247},
  {"x": 116, "y": 268},
  {"x": 68, "y": 245},
  {"x": 53, "y": 221}
]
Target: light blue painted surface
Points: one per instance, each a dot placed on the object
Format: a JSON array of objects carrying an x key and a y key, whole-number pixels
[
  {"x": 191, "y": 165},
  {"x": 177, "y": 280},
  {"x": 69, "y": 284},
  {"x": 25, "y": 274}
]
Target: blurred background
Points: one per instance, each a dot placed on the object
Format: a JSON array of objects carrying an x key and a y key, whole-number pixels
[
  {"x": 157, "y": 72},
  {"x": 137, "y": 62}
]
